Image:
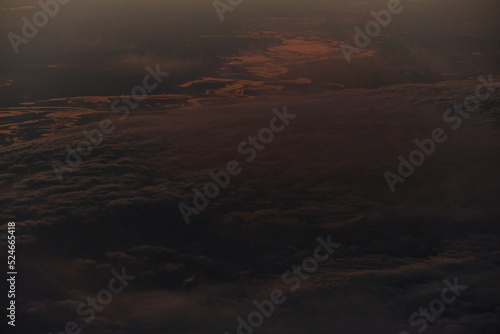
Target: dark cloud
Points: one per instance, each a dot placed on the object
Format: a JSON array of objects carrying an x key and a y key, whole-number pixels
[{"x": 322, "y": 175}]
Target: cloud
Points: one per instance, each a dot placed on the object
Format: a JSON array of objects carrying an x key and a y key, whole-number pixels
[
  {"x": 323, "y": 174},
  {"x": 17, "y": 8},
  {"x": 136, "y": 61}
]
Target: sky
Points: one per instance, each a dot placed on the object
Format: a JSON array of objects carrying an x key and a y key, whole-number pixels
[{"x": 316, "y": 142}]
